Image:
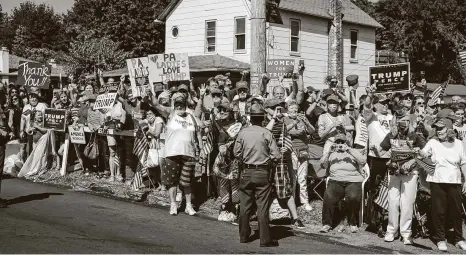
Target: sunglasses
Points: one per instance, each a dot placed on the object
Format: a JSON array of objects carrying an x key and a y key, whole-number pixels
[
  {"x": 216, "y": 95},
  {"x": 408, "y": 99},
  {"x": 340, "y": 142},
  {"x": 182, "y": 91},
  {"x": 385, "y": 103},
  {"x": 179, "y": 105},
  {"x": 222, "y": 110},
  {"x": 242, "y": 90}
]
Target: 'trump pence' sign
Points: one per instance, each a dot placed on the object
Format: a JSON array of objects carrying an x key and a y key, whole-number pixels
[
  {"x": 32, "y": 74},
  {"x": 55, "y": 119},
  {"x": 390, "y": 78},
  {"x": 277, "y": 68},
  {"x": 169, "y": 67}
]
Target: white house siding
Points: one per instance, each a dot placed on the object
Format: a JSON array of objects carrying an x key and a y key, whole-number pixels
[
  {"x": 365, "y": 54},
  {"x": 313, "y": 45},
  {"x": 190, "y": 17}
]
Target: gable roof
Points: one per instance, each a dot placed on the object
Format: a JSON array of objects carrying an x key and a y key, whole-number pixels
[{"x": 319, "y": 8}]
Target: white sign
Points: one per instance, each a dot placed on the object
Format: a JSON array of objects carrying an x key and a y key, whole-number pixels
[
  {"x": 169, "y": 67},
  {"x": 139, "y": 77},
  {"x": 77, "y": 134},
  {"x": 105, "y": 101}
]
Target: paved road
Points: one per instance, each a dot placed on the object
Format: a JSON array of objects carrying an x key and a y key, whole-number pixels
[{"x": 44, "y": 219}]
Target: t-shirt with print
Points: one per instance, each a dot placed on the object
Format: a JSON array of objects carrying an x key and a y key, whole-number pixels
[
  {"x": 326, "y": 121},
  {"x": 378, "y": 127},
  {"x": 181, "y": 136},
  {"x": 461, "y": 132},
  {"x": 402, "y": 147}
]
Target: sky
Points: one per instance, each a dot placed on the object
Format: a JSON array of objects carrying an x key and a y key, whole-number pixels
[{"x": 60, "y": 6}]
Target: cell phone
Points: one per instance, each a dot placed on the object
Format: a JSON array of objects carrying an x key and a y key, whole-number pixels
[
  {"x": 279, "y": 109},
  {"x": 206, "y": 116}
]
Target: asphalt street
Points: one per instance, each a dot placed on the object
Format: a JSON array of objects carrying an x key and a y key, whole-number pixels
[{"x": 45, "y": 219}]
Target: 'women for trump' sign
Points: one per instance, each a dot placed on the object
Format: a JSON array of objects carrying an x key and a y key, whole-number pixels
[{"x": 31, "y": 74}]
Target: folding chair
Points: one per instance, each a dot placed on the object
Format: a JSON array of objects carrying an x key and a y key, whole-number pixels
[
  {"x": 318, "y": 176},
  {"x": 363, "y": 202}
]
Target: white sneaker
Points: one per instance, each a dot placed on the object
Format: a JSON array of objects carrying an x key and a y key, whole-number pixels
[
  {"x": 461, "y": 245},
  {"x": 389, "y": 237},
  {"x": 442, "y": 246},
  {"x": 222, "y": 216},
  {"x": 174, "y": 209},
  {"x": 190, "y": 210},
  {"x": 231, "y": 217},
  {"x": 308, "y": 207},
  {"x": 407, "y": 241},
  {"x": 354, "y": 229}
]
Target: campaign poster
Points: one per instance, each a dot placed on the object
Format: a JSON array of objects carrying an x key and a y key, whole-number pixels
[
  {"x": 76, "y": 134},
  {"x": 55, "y": 119},
  {"x": 31, "y": 74},
  {"x": 138, "y": 69},
  {"x": 169, "y": 67},
  {"x": 277, "y": 68},
  {"x": 105, "y": 101},
  {"x": 390, "y": 78}
]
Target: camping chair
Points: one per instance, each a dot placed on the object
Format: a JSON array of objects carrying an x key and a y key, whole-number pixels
[
  {"x": 316, "y": 177},
  {"x": 363, "y": 199}
]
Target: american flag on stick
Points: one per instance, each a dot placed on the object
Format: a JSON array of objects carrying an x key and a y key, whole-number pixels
[
  {"x": 285, "y": 138},
  {"x": 382, "y": 198},
  {"x": 438, "y": 93},
  {"x": 140, "y": 150}
]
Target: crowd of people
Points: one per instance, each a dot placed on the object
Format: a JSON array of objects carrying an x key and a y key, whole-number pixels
[{"x": 401, "y": 142}]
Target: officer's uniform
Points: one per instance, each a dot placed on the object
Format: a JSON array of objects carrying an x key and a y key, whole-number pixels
[
  {"x": 255, "y": 146},
  {"x": 4, "y": 136}
]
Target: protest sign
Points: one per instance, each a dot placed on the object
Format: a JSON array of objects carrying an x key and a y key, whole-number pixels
[
  {"x": 105, "y": 101},
  {"x": 390, "y": 78},
  {"x": 169, "y": 67},
  {"x": 277, "y": 68},
  {"x": 31, "y": 74},
  {"x": 77, "y": 134},
  {"x": 55, "y": 119},
  {"x": 138, "y": 69},
  {"x": 109, "y": 87}
]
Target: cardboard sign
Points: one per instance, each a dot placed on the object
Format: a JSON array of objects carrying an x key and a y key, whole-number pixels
[
  {"x": 390, "y": 78},
  {"x": 77, "y": 134},
  {"x": 169, "y": 67},
  {"x": 105, "y": 101},
  {"x": 280, "y": 67},
  {"x": 55, "y": 119},
  {"x": 32, "y": 74},
  {"x": 138, "y": 69},
  {"x": 109, "y": 87}
]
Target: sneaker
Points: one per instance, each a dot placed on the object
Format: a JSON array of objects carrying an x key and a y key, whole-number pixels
[
  {"x": 231, "y": 217},
  {"x": 298, "y": 224},
  {"x": 222, "y": 216},
  {"x": 461, "y": 245},
  {"x": 354, "y": 229},
  {"x": 235, "y": 222},
  {"x": 408, "y": 241},
  {"x": 111, "y": 178},
  {"x": 325, "y": 229},
  {"x": 308, "y": 207},
  {"x": 190, "y": 210},
  {"x": 442, "y": 246},
  {"x": 389, "y": 237},
  {"x": 174, "y": 209}
]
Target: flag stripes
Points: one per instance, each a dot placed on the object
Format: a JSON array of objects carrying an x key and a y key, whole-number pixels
[
  {"x": 208, "y": 143},
  {"x": 382, "y": 198},
  {"x": 285, "y": 138},
  {"x": 436, "y": 94},
  {"x": 140, "y": 150}
]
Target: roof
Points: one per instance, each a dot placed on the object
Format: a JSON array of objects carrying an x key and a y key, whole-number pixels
[
  {"x": 202, "y": 63},
  {"x": 452, "y": 89},
  {"x": 319, "y": 8},
  {"x": 14, "y": 61}
]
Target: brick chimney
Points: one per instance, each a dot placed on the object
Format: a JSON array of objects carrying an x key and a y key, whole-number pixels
[{"x": 4, "y": 60}]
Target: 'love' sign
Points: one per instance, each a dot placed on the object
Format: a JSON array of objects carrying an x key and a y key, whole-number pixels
[
  {"x": 32, "y": 74},
  {"x": 169, "y": 67}
]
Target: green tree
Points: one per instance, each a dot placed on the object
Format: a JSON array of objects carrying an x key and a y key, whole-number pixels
[
  {"x": 431, "y": 33},
  {"x": 127, "y": 22},
  {"x": 88, "y": 51}
]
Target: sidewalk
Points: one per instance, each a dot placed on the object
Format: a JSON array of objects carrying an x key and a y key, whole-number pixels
[{"x": 312, "y": 220}]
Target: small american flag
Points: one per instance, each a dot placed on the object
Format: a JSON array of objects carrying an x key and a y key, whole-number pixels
[
  {"x": 139, "y": 177},
  {"x": 382, "y": 198},
  {"x": 437, "y": 93},
  {"x": 285, "y": 138},
  {"x": 140, "y": 150},
  {"x": 208, "y": 143}
]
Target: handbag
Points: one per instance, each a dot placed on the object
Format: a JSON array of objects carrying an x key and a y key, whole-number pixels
[
  {"x": 91, "y": 151},
  {"x": 153, "y": 156}
]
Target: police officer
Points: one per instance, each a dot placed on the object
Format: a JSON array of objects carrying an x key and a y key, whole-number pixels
[
  {"x": 5, "y": 136},
  {"x": 255, "y": 146}
]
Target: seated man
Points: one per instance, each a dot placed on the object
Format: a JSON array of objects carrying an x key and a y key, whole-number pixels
[{"x": 344, "y": 165}]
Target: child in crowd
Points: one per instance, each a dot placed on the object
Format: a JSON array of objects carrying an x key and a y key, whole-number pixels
[{"x": 37, "y": 130}]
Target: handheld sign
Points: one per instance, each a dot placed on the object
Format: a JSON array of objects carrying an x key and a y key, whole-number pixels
[
  {"x": 55, "y": 119},
  {"x": 105, "y": 101},
  {"x": 390, "y": 78},
  {"x": 280, "y": 67},
  {"x": 77, "y": 134},
  {"x": 138, "y": 69},
  {"x": 32, "y": 74},
  {"x": 169, "y": 67}
]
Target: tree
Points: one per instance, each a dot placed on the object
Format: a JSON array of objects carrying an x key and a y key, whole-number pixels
[
  {"x": 40, "y": 24},
  {"x": 431, "y": 33},
  {"x": 84, "y": 54},
  {"x": 127, "y": 22},
  {"x": 365, "y": 5}
]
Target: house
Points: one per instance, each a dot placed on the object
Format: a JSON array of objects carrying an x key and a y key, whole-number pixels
[
  {"x": 9, "y": 64},
  {"x": 296, "y": 29}
]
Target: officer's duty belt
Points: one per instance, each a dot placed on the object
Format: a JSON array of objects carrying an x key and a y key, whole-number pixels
[{"x": 255, "y": 166}]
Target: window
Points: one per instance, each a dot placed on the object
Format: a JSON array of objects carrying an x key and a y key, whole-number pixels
[
  {"x": 354, "y": 44},
  {"x": 175, "y": 32},
  {"x": 240, "y": 34},
  {"x": 295, "y": 27},
  {"x": 210, "y": 31}
]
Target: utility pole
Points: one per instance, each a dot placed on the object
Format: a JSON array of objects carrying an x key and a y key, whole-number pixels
[
  {"x": 335, "y": 49},
  {"x": 258, "y": 44}
]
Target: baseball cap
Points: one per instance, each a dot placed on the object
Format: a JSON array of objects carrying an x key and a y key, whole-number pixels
[
  {"x": 274, "y": 102},
  {"x": 256, "y": 110},
  {"x": 334, "y": 98},
  {"x": 446, "y": 113},
  {"x": 215, "y": 91},
  {"x": 382, "y": 98},
  {"x": 443, "y": 122},
  {"x": 225, "y": 105},
  {"x": 92, "y": 97},
  {"x": 340, "y": 137},
  {"x": 220, "y": 77},
  {"x": 242, "y": 85},
  {"x": 183, "y": 87},
  {"x": 179, "y": 97},
  {"x": 310, "y": 89}
]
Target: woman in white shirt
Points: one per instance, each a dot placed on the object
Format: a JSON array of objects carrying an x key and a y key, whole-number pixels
[{"x": 449, "y": 157}]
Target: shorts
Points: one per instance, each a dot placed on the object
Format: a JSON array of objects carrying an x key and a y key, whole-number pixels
[
  {"x": 178, "y": 170},
  {"x": 111, "y": 140}
]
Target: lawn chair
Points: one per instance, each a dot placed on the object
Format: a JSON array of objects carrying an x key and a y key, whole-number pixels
[{"x": 316, "y": 177}]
